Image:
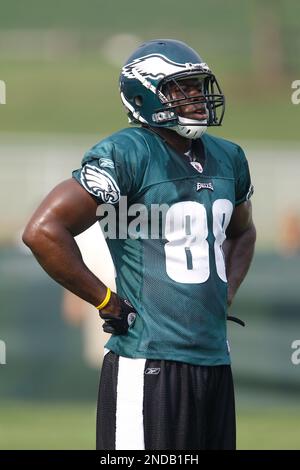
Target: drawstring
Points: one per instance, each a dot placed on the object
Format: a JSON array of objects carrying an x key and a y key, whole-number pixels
[{"x": 236, "y": 320}]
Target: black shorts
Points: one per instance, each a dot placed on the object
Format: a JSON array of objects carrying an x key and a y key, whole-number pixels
[{"x": 164, "y": 405}]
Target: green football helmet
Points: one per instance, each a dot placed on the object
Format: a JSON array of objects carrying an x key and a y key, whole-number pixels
[{"x": 145, "y": 82}]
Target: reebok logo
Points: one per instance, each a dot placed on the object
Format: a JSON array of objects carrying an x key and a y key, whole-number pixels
[{"x": 152, "y": 371}]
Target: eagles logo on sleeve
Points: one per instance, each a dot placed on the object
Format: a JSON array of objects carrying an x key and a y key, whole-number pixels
[{"x": 100, "y": 183}]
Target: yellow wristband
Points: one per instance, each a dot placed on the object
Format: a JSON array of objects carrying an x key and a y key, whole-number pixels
[{"x": 106, "y": 299}]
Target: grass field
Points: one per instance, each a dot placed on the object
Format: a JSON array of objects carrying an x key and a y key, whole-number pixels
[
  {"x": 47, "y": 426},
  {"x": 72, "y": 426},
  {"x": 274, "y": 428},
  {"x": 61, "y": 75},
  {"x": 82, "y": 97}
]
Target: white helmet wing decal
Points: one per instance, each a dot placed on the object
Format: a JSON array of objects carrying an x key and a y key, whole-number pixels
[{"x": 157, "y": 66}]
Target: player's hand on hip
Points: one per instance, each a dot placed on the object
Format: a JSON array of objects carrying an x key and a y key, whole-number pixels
[{"x": 119, "y": 315}]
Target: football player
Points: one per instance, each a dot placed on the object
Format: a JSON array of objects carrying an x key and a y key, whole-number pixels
[{"x": 166, "y": 379}]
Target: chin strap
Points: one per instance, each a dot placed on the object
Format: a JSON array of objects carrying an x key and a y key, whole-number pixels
[{"x": 190, "y": 128}]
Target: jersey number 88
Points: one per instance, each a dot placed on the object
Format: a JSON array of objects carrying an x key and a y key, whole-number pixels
[{"x": 187, "y": 249}]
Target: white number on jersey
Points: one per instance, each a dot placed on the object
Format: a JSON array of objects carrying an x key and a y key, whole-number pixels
[{"x": 187, "y": 249}]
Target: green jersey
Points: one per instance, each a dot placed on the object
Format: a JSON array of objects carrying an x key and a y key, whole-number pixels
[{"x": 166, "y": 239}]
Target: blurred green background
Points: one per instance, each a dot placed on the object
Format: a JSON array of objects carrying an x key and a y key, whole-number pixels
[{"x": 60, "y": 61}]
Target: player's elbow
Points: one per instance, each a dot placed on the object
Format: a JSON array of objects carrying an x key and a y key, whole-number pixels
[
  {"x": 248, "y": 238},
  {"x": 34, "y": 235},
  {"x": 252, "y": 233}
]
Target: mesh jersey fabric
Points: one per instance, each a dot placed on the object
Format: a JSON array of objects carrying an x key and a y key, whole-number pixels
[{"x": 176, "y": 280}]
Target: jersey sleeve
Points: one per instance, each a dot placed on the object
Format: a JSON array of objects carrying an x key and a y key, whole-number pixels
[
  {"x": 104, "y": 173},
  {"x": 243, "y": 188}
]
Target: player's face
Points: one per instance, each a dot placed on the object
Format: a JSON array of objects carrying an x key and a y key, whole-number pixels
[{"x": 184, "y": 90}]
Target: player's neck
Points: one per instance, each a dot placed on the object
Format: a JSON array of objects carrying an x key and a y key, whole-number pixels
[{"x": 179, "y": 143}]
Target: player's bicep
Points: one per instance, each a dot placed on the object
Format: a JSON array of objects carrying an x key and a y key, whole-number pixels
[
  {"x": 241, "y": 220},
  {"x": 68, "y": 205}
]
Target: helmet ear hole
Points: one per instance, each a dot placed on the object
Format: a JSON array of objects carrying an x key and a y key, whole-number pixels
[{"x": 138, "y": 100}]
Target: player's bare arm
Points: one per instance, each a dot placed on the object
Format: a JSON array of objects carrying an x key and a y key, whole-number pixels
[
  {"x": 239, "y": 247},
  {"x": 67, "y": 211}
]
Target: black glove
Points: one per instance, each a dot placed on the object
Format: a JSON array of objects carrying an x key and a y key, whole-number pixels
[{"x": 118, "y": 324}]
